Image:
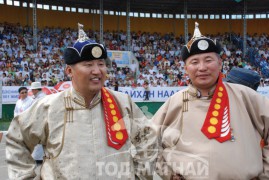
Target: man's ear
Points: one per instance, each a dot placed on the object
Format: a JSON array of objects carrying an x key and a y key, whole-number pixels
[
  {"x": 220, "y": 63},
  {"x": 68, "y": 71}
]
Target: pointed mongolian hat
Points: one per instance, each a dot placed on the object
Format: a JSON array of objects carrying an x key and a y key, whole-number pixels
[
  {"x": 199, "y": 44},
  {"x": 84, "y": 49}
]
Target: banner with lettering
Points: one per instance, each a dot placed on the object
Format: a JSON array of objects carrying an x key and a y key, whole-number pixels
[{"x": 157, "y": 94}]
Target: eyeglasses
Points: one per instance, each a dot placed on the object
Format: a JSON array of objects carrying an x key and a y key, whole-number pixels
[{"x": 23, "y": 92}]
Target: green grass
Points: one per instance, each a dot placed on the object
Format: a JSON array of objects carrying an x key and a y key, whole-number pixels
[
  {"x": 149, "y": 109},
  {"x": 4, "y": 125},
  {"x": 5, "y": 122}
]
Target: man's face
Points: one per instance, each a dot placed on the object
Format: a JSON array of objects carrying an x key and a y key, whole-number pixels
[
  {"x": 23, "y": 93},
  {"x": 88, "y": 76},
  {"x": 203, "y": 70},
  {"x": 34, "y": 91}
]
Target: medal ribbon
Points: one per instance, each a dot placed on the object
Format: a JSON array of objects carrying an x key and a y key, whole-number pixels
[
  {"x": 115, "y": 127},
  {"x": 217, "y": 121}
]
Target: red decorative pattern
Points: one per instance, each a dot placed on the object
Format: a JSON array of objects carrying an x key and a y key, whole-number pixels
[
  {"x": 217, "y": 121},
  {"x": 115, "y": 127}
]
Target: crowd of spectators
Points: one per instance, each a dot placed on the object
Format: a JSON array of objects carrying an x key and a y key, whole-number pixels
[{"x": 160, "y": 63}]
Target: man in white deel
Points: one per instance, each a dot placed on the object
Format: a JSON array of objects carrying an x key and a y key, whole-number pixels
[
  {"x": 87, "y": 131},
  {"x": 24, "y": 102},
  {"x": 38, "y": 152},
  {"x": 37, "y": 90}
]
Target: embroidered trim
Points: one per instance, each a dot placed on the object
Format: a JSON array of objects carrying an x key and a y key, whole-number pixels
[
  {"x": 141, "y": 135},
  {"x": 68, "y": 107},
  {"x": 185, "y": 101}
]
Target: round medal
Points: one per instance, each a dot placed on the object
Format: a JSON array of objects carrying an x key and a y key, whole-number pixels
[
  {"x": 203, "y": 45},
  {"x": 96, "y": 52}
]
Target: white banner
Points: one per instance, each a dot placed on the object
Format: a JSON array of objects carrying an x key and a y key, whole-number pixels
[
  {"x": 10, "y": 94},
  {"x": 157, "y": 94}
]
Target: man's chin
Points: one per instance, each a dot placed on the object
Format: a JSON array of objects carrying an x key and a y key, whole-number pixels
[
  {"x": 204, "y": 85},
  {"x": 96, "y": 88}
]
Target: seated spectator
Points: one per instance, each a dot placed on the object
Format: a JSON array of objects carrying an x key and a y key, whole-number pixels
[{"x": 155, "y": 53}]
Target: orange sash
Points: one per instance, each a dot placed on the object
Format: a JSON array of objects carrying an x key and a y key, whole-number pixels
[
  {"x": 115, "y": 127},
  {"x": 217, "y": 121}
]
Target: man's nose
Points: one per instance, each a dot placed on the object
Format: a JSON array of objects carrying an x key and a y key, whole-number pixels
[
  {"x": 202, "y": 66},
  {"x": 96, "y": 69}
]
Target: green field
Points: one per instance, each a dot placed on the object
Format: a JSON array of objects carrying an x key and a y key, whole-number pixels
[
  {"x": 4, "y": 126},
  {"x": 149, "y": 108}
]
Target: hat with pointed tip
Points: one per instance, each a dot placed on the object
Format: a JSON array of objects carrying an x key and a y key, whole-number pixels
[
  {"x": 84, "y": 49},
  {"x": 199, "y": 44}
]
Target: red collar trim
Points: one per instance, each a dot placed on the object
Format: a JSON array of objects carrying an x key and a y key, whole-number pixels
[
  {"x": 115, "y": 127},
  {"x": 217, "y": 121}
]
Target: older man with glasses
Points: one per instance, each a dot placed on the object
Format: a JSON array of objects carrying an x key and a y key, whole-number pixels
[{"x": 24, "y": 102}]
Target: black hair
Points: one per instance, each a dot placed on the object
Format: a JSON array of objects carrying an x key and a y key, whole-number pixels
[{"x": 22, "y": 88}]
